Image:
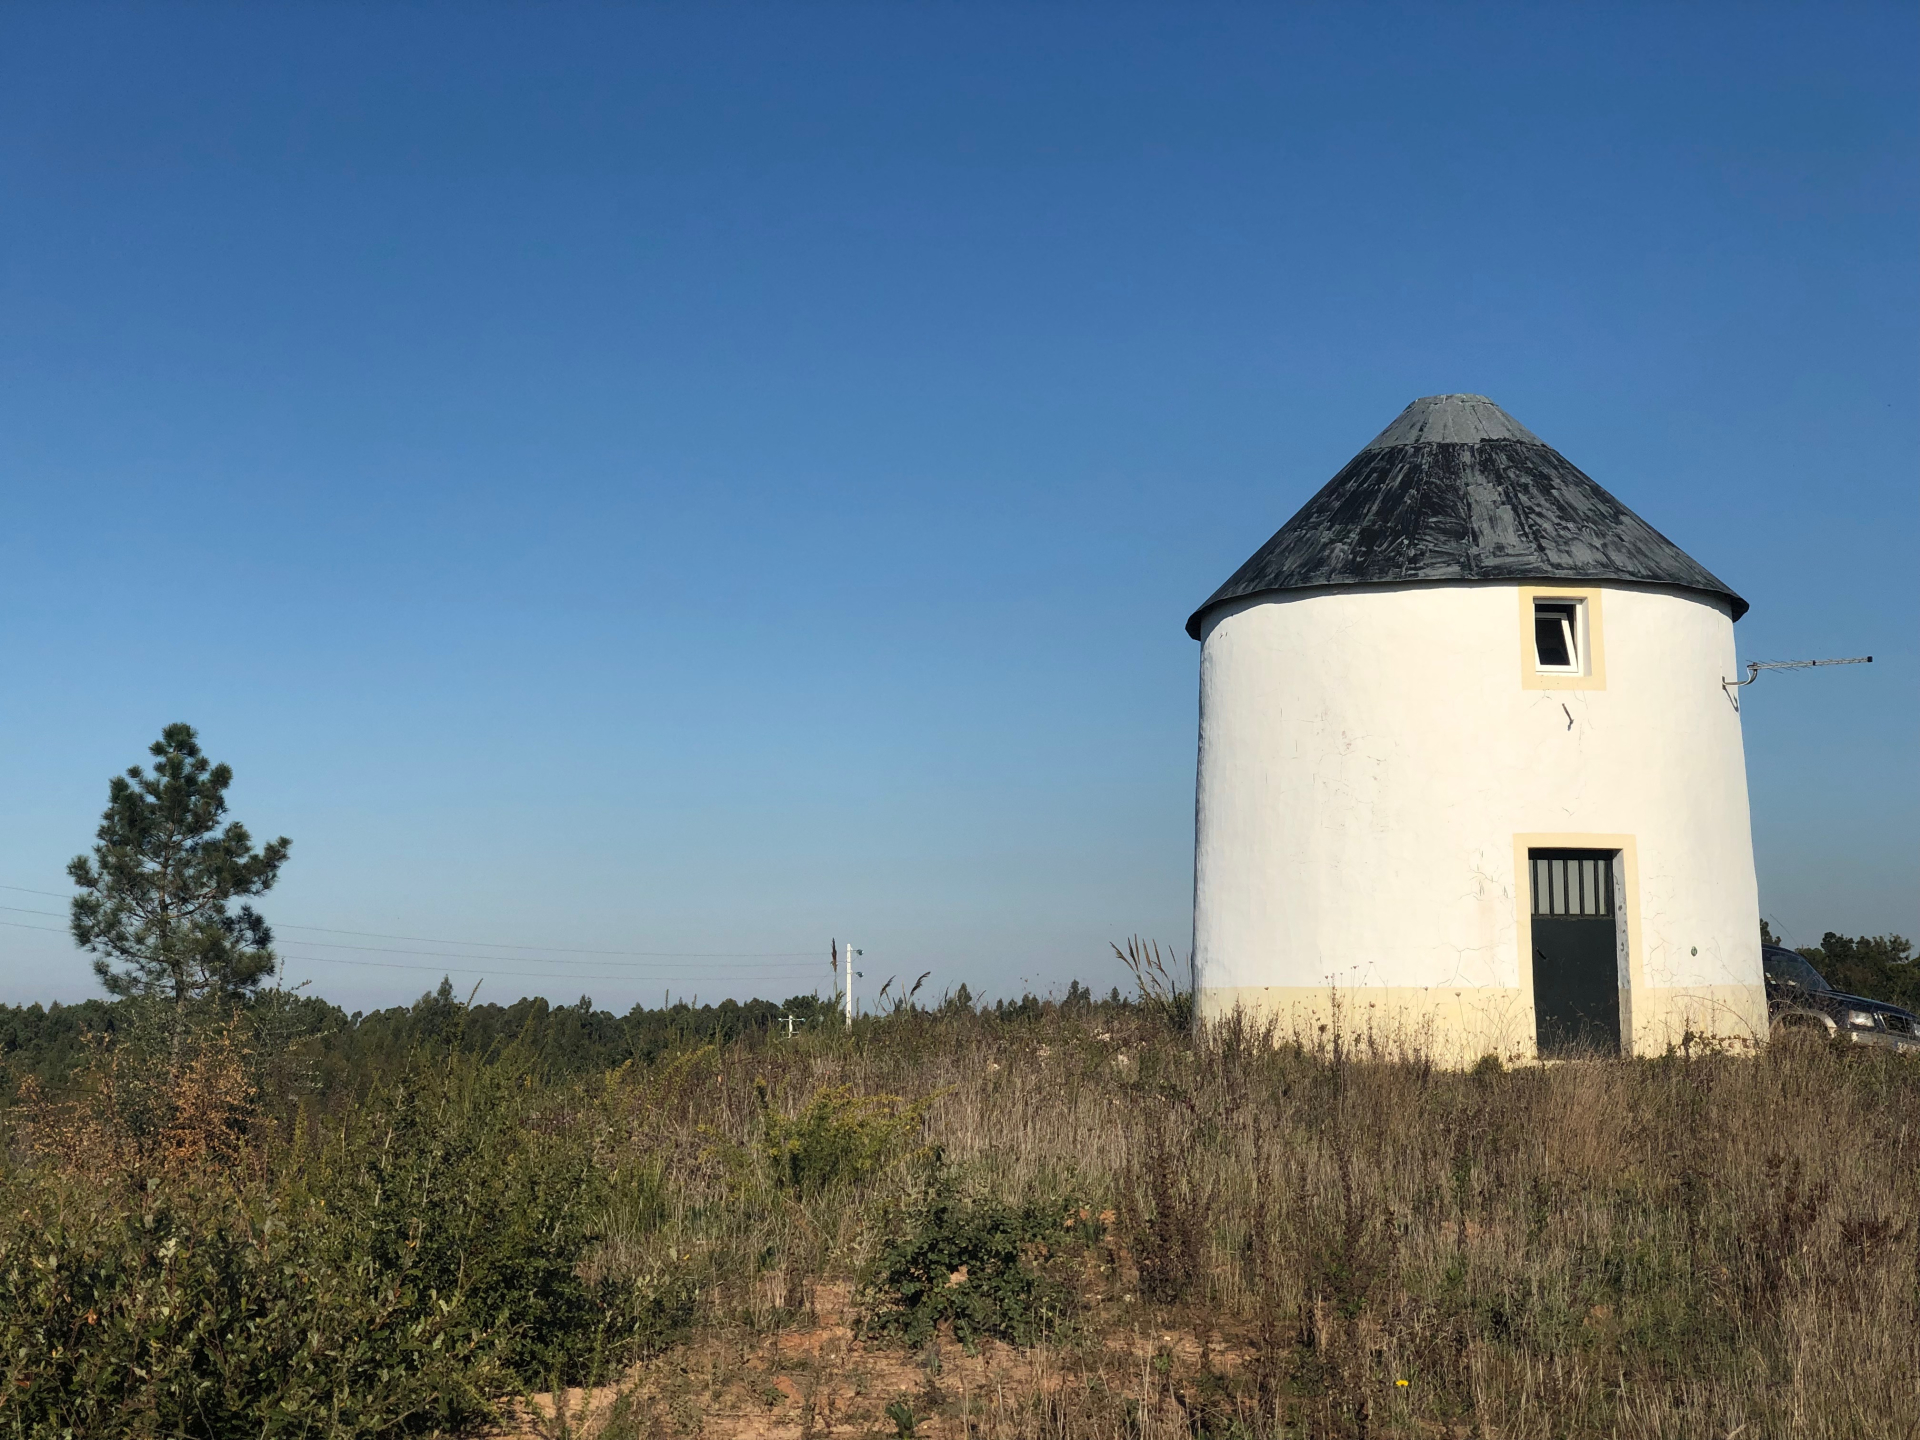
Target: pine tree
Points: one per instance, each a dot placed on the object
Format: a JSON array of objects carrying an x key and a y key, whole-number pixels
[{"x": 158, "y": 886}]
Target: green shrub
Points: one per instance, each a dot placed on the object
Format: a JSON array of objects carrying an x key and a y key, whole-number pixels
[
  {"x": 423, "y": 1256},
  {"x": 905, "y": 1422},
  {"x": 453, "y": 1184},
  {"x": 979, "y": 1264},
  {"x": 840, "y": 1138},
  {"x": 199, "y": 1312}
]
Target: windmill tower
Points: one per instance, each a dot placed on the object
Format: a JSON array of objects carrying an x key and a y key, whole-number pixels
[{"x": 1467, "y": 770}]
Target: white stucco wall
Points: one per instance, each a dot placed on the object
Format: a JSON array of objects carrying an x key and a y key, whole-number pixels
[{"x": 1373, "y": 768}]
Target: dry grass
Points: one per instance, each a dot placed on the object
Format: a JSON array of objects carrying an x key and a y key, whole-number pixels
[
  {"x": 1253, "y": 1239},
  {"x": 1295, "y": 1244}
]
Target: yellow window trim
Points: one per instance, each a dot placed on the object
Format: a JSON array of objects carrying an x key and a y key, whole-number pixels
[{"x": 1593, "y": 649}]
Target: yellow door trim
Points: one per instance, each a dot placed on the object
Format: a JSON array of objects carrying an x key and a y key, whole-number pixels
[{"x": 1626, "y": 900}]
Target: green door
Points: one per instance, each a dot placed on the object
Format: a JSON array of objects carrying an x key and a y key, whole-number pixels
[{"x": 1576, "y": 967}]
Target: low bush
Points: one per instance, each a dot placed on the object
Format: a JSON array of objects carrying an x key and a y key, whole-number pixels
[
  {"x": 840, "y": 1138},
  {"x": 393, "y": 1269},
  {"x": 978, "y": 1264},
  {"x": 208, "y": 1313}
]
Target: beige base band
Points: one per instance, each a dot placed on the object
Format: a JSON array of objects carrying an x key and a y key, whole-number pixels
[{"x": 1457, "y": 1026}]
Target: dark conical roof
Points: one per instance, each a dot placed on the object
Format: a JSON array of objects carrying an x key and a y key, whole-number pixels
[{"x": 1457, "y": 489}]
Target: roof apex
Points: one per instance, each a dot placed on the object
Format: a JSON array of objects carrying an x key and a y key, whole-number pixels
[{"x": 1452, "y": 420}]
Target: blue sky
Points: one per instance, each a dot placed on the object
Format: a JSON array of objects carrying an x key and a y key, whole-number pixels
[{"x": 695, "y": 481}]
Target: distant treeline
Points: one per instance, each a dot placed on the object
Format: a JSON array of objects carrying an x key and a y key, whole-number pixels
[{"x": 48, "y": 1042}]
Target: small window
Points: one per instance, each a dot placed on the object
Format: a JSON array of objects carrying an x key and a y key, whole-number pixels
[
  {"x": 1556, "y": 636},
  {"x": 1560, "y": 641},
  {"x": 1571, "y": 882}
]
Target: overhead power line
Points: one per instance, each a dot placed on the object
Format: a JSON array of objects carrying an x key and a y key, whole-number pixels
[
  {"x": 47, "y": 929},
  {"x": 476, "y": 970},
  {"x": 556, "y": 949},
  {"x": 727, "y": 955},
  {"x": 787, "y": 956},
  {"x": 772, "y": 971},
  {"x": 632, "y": 971}
]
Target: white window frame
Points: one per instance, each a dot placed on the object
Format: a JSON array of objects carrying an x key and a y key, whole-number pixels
[{"x": 1574, "y": 627}]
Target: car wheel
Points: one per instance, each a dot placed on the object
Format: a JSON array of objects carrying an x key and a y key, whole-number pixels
[{"x": 1799, "y": 1033}]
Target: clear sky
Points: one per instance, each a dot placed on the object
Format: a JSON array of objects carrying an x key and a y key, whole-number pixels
[{"x": 704, "y": 480}]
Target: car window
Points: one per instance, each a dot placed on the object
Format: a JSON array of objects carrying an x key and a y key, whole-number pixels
[{"x": 1793, "y": 969}]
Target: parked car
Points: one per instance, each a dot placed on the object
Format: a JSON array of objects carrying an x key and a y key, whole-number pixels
[{"x": 1800, "y": 999}]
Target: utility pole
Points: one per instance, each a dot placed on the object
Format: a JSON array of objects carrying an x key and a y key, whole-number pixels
[{"x": 836, "y": 953}]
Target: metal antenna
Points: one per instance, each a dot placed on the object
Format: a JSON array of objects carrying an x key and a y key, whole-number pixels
[{"x": 1754, "y": 667}]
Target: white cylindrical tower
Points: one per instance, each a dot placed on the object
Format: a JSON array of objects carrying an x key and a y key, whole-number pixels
[{"x": 1469, "y": 782}]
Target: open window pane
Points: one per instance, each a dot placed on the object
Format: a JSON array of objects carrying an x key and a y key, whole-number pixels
[{"x": 1554, "y": 645}]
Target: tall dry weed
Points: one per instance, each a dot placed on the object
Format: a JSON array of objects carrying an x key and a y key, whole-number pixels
[
  {"x": 1255, "y": 1237},
  {"x": 1358, "y": 1243}
]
